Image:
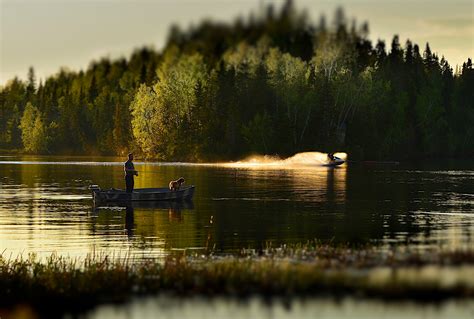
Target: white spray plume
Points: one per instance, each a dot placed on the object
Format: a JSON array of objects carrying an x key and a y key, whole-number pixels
[{"x": 304, "y": 159}]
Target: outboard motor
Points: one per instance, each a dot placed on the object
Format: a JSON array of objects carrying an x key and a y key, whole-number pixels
[{"x": 95, "y": 190}]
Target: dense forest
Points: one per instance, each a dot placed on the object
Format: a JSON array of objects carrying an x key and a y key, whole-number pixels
[{"x": 273, "y": 84}]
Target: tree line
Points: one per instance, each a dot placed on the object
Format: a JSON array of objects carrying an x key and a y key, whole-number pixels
[{"x": 273, "y": 84}]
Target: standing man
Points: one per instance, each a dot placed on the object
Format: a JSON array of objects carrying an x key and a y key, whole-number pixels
[
  {"x": 331, "y": 157},
  {"x": 129, "y": 173}
]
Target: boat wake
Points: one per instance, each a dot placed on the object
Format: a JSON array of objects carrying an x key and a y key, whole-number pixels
[
  {"x": 305, "y": 159},
  {"x": 299, "y": 160}
]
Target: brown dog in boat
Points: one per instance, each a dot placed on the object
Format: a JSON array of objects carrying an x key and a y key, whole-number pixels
[{"x": 175, "y": 185}]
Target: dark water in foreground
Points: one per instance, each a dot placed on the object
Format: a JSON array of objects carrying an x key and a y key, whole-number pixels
[{"x": 45, "y": 206}]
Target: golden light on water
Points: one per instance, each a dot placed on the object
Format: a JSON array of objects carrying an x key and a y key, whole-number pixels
[
  {"x": 45, "y": 206},
  {"x": 299, "y": 160}
]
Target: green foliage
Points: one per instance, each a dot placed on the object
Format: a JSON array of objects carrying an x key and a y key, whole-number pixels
[
  {"x": 259, "y": 133},
  {"x": 33, "y": 130},
  {"x": 165, "y": 117},
  {"x": 275, "y": 84},
  {"x": 146, "y": 119},
  {"x": 12, "y": 102}
]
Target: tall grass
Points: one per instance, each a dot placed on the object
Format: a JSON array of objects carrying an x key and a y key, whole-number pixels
[{"x": 62, "y": 283}]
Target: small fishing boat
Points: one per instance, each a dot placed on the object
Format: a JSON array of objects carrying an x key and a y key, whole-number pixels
[
  {"x": 335, "y": 162},
  {"x": 141, "y": 194}
]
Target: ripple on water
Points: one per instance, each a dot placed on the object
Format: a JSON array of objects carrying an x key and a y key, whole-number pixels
[{"x": 45, "y": 205}]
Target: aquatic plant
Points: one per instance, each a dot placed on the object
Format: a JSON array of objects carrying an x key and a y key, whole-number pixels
[{"x": 60, "y": 283}]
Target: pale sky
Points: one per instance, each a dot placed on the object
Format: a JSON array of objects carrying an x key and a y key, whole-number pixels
[{"x": 49, "y": 34}]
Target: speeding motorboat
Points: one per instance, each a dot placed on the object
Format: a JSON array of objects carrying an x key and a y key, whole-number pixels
[{"x": 335, "y": 161}]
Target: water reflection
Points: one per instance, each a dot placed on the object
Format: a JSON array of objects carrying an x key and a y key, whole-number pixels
[
  {"x": 167, "y": 307},
  {"x": 129, "y": 220},
  {"x": 152, "y": 227},
  {"x": 47, "y": 207},
  {"x": 413, "y": 208},
  {"x": 174, "y": 209}
]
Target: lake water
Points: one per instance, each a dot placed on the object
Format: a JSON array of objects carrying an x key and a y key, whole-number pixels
[
  {"x": 45, "y": 206},
  {"x": 256, "y": 308}
]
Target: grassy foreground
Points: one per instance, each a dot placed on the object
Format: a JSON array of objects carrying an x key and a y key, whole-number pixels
[{"x": 66, "y": 284}]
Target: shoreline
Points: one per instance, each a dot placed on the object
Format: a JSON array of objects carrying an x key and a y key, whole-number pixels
[{"x": 218, "y": 160}]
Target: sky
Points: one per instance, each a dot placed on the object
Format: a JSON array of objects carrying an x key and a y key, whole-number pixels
[{"x": 50, "y": 34}]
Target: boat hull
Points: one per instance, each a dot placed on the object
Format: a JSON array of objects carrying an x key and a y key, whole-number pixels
[
  {"x": 142, "y": 195},
  {"x": 336, "y": 162},
  {"x": 162, "y": 204}
]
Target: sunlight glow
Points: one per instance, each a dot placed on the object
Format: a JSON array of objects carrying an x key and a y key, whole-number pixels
[{"x": 299, "y": 160}]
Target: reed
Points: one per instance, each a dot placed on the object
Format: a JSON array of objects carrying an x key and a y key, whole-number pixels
[{"x": 73, "y": 284}]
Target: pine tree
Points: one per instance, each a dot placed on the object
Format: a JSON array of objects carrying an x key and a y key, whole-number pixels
[{"x": 31, "y": 85}]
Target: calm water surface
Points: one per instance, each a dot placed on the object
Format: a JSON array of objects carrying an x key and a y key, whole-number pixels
[
  {"x": 45, "y": 206},
  {"x": 196, "y": 308}
]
